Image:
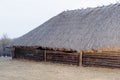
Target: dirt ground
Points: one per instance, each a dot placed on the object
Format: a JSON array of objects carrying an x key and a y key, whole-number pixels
[{"x": 30, "y": 70}]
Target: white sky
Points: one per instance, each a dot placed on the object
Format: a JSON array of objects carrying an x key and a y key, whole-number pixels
[{"x": 18, "y": 17}]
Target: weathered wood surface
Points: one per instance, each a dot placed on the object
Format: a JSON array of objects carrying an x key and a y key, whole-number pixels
[
  {"x": 45, "y": 55},
  {"x": 30, "y": 54},
  {"x": 101, "y": 59},
  {"x": 61, "y": 57},
  {"x": 48, "y": 55},
  {"x": 13, "y": 52},
  {"x": 109, "y": 59},
  {"x": 45, "y": 48}
]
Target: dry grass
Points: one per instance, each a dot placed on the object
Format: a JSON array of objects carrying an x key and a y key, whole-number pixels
[{"x": 29, "y": 70}]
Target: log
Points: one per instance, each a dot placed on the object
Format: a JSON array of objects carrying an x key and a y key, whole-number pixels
[
  {"x": 13, "y": 53},
  {"x": 80, "y": 59},
  {"x": 44, "y": 55}
]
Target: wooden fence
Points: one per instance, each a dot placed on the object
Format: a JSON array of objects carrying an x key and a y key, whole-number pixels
[
  {"x": 48, "y": 56},
  {"x": 75, "y": 58},
  {"x": 102, "y": 59}
]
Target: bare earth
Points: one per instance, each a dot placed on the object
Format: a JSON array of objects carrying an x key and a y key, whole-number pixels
[{"x": 29, "y": 70}]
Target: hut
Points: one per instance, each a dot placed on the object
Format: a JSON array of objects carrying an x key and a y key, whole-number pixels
[{"x": 87, "y": 36}]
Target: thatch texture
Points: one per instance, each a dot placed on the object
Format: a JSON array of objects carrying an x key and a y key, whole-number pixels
[{"x": 90, "y": 28}]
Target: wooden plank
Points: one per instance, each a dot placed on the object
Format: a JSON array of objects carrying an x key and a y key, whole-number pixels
[
  {"x": 45, "y": 56},
  {"x": 59, "y": 52},
  {"x": 13, "y": 53},
  {"x": 80, "y": 58},
  {"x": 81, "y": 54}
]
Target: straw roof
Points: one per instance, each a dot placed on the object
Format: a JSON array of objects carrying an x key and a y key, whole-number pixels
[{"x": 82, "y": 29}]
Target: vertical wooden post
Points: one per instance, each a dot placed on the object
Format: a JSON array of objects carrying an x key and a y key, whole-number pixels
[
  {"x": 81, "y": 54},
  {"x": 80, "y": 58},
  {"x": 13, "y": 52},
  {"x": 45, "y": 55}
]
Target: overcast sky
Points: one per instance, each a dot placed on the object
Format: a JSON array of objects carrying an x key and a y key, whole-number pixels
[{"x": 18, "y": 17}]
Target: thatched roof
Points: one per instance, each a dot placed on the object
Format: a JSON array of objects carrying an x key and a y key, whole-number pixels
[{"x": 89, "y": 28}]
